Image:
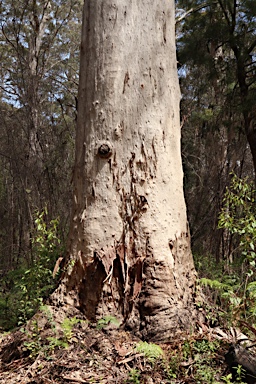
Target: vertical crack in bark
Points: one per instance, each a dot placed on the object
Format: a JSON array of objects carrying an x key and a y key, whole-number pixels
[
  {"x": 91, "y": 288},
  {"x": 123, "y": 262},
  {"x": 126, "y": 81}
]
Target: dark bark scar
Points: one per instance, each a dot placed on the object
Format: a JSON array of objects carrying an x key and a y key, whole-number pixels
[{"x": 126, "y": 79}]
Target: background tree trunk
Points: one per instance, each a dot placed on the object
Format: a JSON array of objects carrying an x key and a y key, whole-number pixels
[{"x": 129, "y": 245}]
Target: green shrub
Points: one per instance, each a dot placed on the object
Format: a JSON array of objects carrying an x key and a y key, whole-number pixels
[
  {"x": 151, "y": 351},
  {"x": 134, "y": 376},
  {"x": 235, "y": 287},
  {"x": 238, "y": 217},
  {"x": 36, "y": 345},
  {"x": 106, "y": 320},
  {"x": 67, "y": 327},
  {"x": 24, "y": 289}
]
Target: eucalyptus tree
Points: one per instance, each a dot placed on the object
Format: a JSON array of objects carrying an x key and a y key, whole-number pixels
[
  {"x": 129, "y": 245},
  {"x": 39, "y": 50},
  {"x": 216, "y": 50}
]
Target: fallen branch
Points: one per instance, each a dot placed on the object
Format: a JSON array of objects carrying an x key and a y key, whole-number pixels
[{"x": 240, "y": 356}]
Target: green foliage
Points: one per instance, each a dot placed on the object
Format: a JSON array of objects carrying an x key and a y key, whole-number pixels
[
  {"x": 46, "y": 311},
  {"x": 106, "y": 320},
  {"x": 227, "y": 293},
  {"x": 38, "y": 109},
  {"x": 238, "y": 216},
  {"x": 215, "y": 284},
  {"x": 172, "y": 367},
  {"x": 35, "y": 344},
  {"x": 55, "y": 343},
  {"x": 67, "y": 327},
  {"x": 233, "y": 284},
  {"x": 196, "y": 347},
  {"x": 233, "y": 301},
  {"x": 134, "y": 376},
  {"x": 24, "y": 289},
  {"x": 62, "y": 341},
  {"x": 195, "y": 358},
  {"x": 151, "y": 351},
  {"x": 227, "y": 379},
  {"x": 215, "y": 48},
  {"x": 239, "y": 377},
  {"x": 37, "y": 281},
  {"x": 202, "y": 353}
]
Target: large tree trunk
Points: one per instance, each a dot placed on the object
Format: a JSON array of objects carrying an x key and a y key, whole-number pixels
[
  {"x": 246, "y": 97},
  {"x": 129, "y": 245}
]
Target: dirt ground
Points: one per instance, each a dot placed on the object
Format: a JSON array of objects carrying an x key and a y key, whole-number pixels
[{"x": 60, "y": 347}]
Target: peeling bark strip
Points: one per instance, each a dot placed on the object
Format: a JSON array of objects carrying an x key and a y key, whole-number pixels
[{"x": 129, "y": 247}]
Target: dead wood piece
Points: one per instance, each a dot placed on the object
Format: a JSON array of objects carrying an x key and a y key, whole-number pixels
[
  {"x": 237, "y": 355},
  {"x": 128, "y": 359},
  {"x": 74, "y": 379}
]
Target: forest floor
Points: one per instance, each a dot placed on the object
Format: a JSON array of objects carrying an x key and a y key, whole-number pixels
[{"x": 62, "y": 347}]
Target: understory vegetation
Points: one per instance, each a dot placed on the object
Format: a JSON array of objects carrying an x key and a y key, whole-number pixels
[
  {"x": 227, "y": 300},
  {"x": 216, "y": 50},
  {"x": 110, "y": 355},
  {"x": 24, "y": 288},
  {"x": 230, "y": 284},
  {"x": 107, "y": 354}
]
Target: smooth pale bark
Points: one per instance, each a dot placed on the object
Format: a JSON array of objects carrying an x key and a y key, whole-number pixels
[{"x": 129, "y": 246}]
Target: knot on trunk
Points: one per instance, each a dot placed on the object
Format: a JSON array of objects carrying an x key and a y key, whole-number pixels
[{"x": 104, "y": 151}]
